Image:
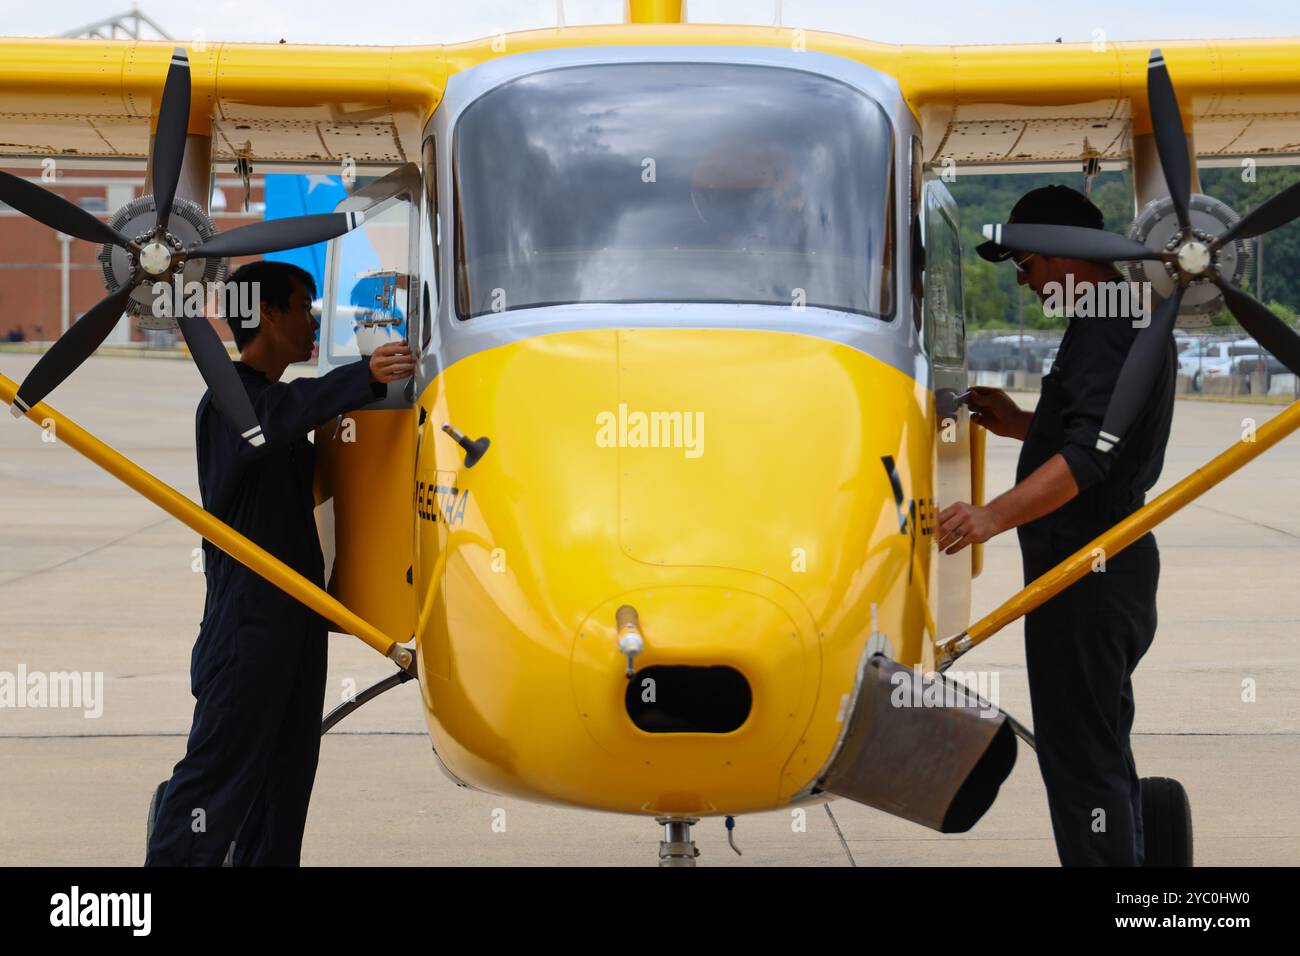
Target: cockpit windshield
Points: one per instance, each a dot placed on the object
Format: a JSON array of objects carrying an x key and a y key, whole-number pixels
[{"x": 673, "y": 182}]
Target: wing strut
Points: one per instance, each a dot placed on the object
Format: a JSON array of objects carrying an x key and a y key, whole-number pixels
[{"x": 1120, "y": 536}]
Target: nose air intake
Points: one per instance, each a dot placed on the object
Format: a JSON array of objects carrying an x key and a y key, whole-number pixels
[{"x": 674, "y": 699}]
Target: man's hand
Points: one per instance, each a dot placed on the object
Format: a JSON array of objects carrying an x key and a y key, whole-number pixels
[
  {"x": 1051, "y": 485},
  {"x": 998, "y": 412},
  {"x": 961, "y": 524},
  {"x": 392, "y": 362}
]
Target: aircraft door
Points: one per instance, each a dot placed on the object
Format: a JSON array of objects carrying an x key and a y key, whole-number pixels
[
  {"x": 365, "y": 461},
  {"x": 945, "y": 324}
]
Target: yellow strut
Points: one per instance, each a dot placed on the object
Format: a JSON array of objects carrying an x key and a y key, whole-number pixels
[
  {"x": 218, "y": 532},
  {"x": 1119, "y": 537}
]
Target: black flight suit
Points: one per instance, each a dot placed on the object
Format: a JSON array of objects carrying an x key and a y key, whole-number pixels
[
  {"x": 1083, "y": 645},
  {"x": 257, "y": 671}
]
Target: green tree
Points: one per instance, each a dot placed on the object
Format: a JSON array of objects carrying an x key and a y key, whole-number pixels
[{"x": 986, "y": 301}]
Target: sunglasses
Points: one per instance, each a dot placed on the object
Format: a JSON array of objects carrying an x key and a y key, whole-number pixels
[{"x": 1020, "y": 263}]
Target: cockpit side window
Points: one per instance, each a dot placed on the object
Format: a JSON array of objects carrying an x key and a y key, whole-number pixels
[
  {"x": 433, "y": 225},
  {"x": 371, "y": 296},
  {"x": 944, "y": 303}
]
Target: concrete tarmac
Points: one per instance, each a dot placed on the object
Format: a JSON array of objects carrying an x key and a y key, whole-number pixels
[{"x": 94, "y": 578}]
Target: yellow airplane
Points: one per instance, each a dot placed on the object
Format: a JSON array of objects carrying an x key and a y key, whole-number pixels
[{"x": 653, "y": 525}]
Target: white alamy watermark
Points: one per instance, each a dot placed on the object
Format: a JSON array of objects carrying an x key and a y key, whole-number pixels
[
  {"x": 240, "y": 300},
  {"x": 975, "y": 689},
  {"x": 75, "y": 908},
  {"x": 1119, "y": 299},
  {"x": 55, "y": 689},
  {"x": 637, "y": 429}
]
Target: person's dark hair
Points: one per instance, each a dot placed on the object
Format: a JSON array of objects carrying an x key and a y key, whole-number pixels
[{"x": 274, "y": 284}]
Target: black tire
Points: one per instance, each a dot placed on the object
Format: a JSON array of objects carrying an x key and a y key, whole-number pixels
[
  {"x": 154, "y": 802},
  {"x": 1196, "y": 381},
  {"x": 1166, "y": 823}
]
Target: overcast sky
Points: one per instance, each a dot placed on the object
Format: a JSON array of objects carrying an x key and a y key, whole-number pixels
[{"x": 893, "y": 21}]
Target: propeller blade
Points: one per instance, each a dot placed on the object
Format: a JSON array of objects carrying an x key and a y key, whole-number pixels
[
  {"x": 169, "y": 137},
  {"x": 72, "y": 348},
  {"x": 55, "y": 211},
  {"x": 1137, "y": 376},
  {"x": 1068, "y": 242},
  {"x": 1171, "y": 140},
  {"x": 1265, "y": 217},
  {"x": 228, "y": 392},
  {"x": 1264, "y": 327},
  {"x": 274, "y": 235}
]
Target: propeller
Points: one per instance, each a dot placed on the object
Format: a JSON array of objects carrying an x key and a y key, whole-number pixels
[
  {"x": 228, "y": 394},
  {"x": 169, "y": 135},
  {"x": 55, "y": 211},
  {"x": 1069, "y": 242},
  {"x": 1190, "y": 256},
  {"x": 1146, "y": 352},
  {"x": 156, "y": 257},
  {"x": 1171, "y": 139},
  {"x": 1267, "y": 216},
  {"x": 72, "y": 348},
  {"x": 1263, "y": 326},
  {"x": 273, "y": 235}
]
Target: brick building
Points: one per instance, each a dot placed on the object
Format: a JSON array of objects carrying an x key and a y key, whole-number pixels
[{"x": 31, "y": 254}]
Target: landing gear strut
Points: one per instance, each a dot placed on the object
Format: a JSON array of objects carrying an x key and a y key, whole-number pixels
[{"x": 677, "y": 848}]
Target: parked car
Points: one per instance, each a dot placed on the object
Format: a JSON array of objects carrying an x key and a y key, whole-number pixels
[
  {"x": 1188, "y": 345},
  {"x": 1210, "y": 360},
  {"x": 1252, "y": 357},
  {"x": 1217, "y": 358},
  {"x": 1006, "y": 353},
  {"x": 985, "y": 355}
]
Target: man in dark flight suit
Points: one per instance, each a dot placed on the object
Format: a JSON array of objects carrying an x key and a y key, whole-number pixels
[
  {"x": 258, "y": 666},
  {"x": 1082, "y": 646}
]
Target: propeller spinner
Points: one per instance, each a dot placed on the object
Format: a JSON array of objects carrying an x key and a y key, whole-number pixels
[
  {"x": 1190, "y": 258},
  {"x": 176, "y": 234}
]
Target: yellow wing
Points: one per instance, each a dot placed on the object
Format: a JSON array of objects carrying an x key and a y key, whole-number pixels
[
  {"x": 993, "y": 105},
  {"x": 276, "y": 102},
  {"x": 1002, "y": 105}
]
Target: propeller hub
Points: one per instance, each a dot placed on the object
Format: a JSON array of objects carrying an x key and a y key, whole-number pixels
[
  {"x": 1194, "y": 257},
  {"x": 1191, "y": 259},
  {"x": 155, "y": 257},
  {"x": 188, "y": 226}
]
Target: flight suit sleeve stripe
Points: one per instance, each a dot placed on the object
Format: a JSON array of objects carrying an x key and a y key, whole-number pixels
[
  {"x": 1087, "y": 381},
  {"x": 290, "y": 410}
]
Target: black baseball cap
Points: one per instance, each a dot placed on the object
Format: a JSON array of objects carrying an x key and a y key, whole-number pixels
[{"x": 1047, "y": 206}]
